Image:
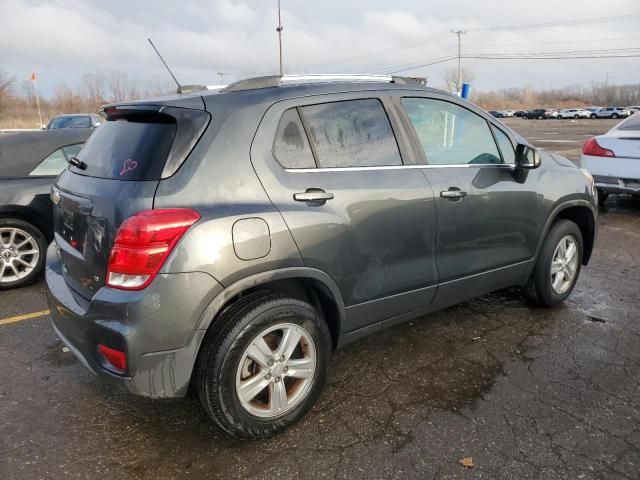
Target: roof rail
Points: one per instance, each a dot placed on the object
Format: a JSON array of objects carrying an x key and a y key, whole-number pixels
[{"x": 278, "y": 80}]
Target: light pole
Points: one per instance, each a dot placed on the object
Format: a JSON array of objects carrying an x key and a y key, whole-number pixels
[
  {"x": 279, "y": 30},
  {"x": 459, "y": 33},
  {"x": 221, "y": 75}
]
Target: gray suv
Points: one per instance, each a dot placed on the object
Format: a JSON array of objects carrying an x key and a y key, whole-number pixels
[{"x": 231, "y": 240}]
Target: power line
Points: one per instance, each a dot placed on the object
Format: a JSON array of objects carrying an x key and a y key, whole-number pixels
[
  {"x": 519, "y": 57},
  {"x": 416, "y": 43},
  {"x": 557, "y": 24}
]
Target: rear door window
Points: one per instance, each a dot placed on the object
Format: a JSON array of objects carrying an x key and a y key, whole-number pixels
[
  {"x": 351, "y": 133},
  {"x": 128, "y": 150}
]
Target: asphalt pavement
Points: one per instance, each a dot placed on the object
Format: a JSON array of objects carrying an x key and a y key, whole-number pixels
[{"x": 520, "y": 392}]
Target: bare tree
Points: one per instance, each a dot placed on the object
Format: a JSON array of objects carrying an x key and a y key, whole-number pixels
[
  {"x": 122, "y": 87},
  {"x": 6, "y": 90},
  {"x": 450, "y": 78},
  {"x": 93, "y": 87}
]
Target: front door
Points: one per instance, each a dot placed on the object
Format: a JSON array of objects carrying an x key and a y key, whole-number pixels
[
  {"x": 355, "y": 211},
  {"x": 486, "y": 209}
]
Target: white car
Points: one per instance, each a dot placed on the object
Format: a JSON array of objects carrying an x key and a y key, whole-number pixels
[
  {"x": 508, "y": 113},
  {"x": 614, "y": 159},
  {"x": 574, "y": 113}
]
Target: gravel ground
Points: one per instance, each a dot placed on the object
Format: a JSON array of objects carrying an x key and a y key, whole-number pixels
[{"x": 527, "y": 393}]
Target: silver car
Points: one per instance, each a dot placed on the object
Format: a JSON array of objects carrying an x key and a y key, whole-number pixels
[
  {"x": 613, "y": 112},
  {"x": 614, "y": 159}
]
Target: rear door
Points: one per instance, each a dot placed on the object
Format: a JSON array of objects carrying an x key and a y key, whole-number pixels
[
  {"x": 486, "y": 210},
  {"x": 352, "y": 201},
  {"x": 120, "y": 166}
]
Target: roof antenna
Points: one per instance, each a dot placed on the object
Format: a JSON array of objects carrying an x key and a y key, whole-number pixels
[{"x": 181, "y": 88}]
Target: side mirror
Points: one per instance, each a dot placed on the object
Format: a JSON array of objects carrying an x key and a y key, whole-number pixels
[{"x": 527, "y": 156}]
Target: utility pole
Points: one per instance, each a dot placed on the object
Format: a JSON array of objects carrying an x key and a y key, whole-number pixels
[
  {"x": 279, "y": 30},
  {"x": 459, "y": 33},
  {"x": 221, "y": 75}
]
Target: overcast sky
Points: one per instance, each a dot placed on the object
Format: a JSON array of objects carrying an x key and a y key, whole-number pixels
[{"x": 61, "y": 39}]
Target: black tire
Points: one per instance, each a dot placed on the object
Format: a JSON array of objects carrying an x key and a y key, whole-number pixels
[
  {"x": 602, "y": 197},
  {"x": 224, "y": 346},
  {"x": 576, "y": 116},
  {"x": 614, "y": 116},
  {"x": 539, "y": 287},
  {"x": 41, "y": 243},
  {"x": 593, "y": 116}
]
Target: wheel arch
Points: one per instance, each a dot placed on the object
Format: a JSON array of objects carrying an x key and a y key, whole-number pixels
[
  {"x": 302, "y": 282},
  {"x": 27, "y": 215},
  {"x": 582, "y": 213}
]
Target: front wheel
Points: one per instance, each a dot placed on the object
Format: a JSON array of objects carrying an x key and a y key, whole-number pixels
[
  {"x": 264, "y": 364},
  {"x": 614, "y": 116},
  {"x": 22, "y": 253},
  {"x": 558, "y": 265}
]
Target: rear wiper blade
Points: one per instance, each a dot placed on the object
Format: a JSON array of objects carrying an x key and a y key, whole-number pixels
[{"x": 76, "y": 162}]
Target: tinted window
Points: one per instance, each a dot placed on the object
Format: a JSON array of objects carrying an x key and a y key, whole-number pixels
[
  {"x": 451, "y": 134},
  {"x": 354, "y": 133},
  {"x": 70, "y": 122},
  {"x": 56, "y": 162},
  {"x": 506, "y": 147},
  {"x": 291, "y": 146},
  {"x": 127, "y": 150}
]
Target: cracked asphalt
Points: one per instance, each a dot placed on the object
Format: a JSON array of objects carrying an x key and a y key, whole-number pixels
[{"x": 528, "y": 393}]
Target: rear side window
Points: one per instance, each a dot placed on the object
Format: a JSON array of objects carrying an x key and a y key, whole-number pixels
[
  {"x": 128, "y": 150},
  {"x": 70, "y": 122},
  {"x": 291, "y": 147},
  {"x": 56, "y": 162},
  {"x": 352, "y": 133},
  {"x": 451, "y": 134}
]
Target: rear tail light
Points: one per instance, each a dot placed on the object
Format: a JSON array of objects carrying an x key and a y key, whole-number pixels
[
  {"x": 143, "y": 243},
  {"x": 593, "y": 148},
  {"x": 115, "y": 357}
]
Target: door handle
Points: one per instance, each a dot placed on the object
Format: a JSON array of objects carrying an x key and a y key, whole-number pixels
[
  {"x": 453, "y": 192},
  {"x": 315, "y": 196}
]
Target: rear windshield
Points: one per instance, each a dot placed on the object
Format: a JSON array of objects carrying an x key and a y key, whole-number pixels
[
  {"x": 70, "y": 122},
  {"x": 633, "y": 124},
  {"x": 127, "y": 150}
]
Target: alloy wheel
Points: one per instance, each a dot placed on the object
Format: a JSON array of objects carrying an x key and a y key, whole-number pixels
[
  {"x": 564, "y": 264},
  {"x": 276, "y": 370},
  {"x": 19, "y": 254}
]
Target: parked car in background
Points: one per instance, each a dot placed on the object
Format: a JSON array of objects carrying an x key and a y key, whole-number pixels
[
  {"x": 29, "y": 164},
  {"x": 75, "y": 120},
  {"x": 614, "y": 159},
  {"x": 519, "y": 113},
  {"x": 574, "y": 113},
  {"x": 496, "y": 113},
  {"x": 320, "y": 229},
  {"x": 508, "y": 113},
  {"x": 537, "y": 114},
  {"x": 592, "y": 111},
  {"x": 633, "y": 109},
  {"x": 613, "y": 112}
]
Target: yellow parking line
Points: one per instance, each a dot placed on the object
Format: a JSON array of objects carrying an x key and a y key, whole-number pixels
[{"x": 19, "y": 318}]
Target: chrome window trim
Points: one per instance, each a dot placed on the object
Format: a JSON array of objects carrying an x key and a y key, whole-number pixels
[{"x": 396, "y": 167}]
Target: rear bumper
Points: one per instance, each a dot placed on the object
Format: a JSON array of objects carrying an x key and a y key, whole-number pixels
[
  {"x": 614, "y": 175},
  {"x": 155, "y": 327}
]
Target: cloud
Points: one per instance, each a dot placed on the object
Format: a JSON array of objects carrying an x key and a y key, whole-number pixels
[{"x": 62, "y": 39}]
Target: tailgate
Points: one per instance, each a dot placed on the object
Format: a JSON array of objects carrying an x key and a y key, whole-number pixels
[{"x": 87, "y": 216}]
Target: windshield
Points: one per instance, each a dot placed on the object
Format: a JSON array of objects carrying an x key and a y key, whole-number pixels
[{"x": 631, "y": 124}]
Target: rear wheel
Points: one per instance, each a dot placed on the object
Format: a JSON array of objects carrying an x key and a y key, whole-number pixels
[
  {"x": 22, "y": 253},
  {"x": 558, "y": 265},
  {"x": 615, "y": 115},
  {"x": 264, "y": 364}
]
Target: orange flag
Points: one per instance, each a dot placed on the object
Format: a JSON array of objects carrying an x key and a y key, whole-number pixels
[{"x": 33, "y": 76}]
